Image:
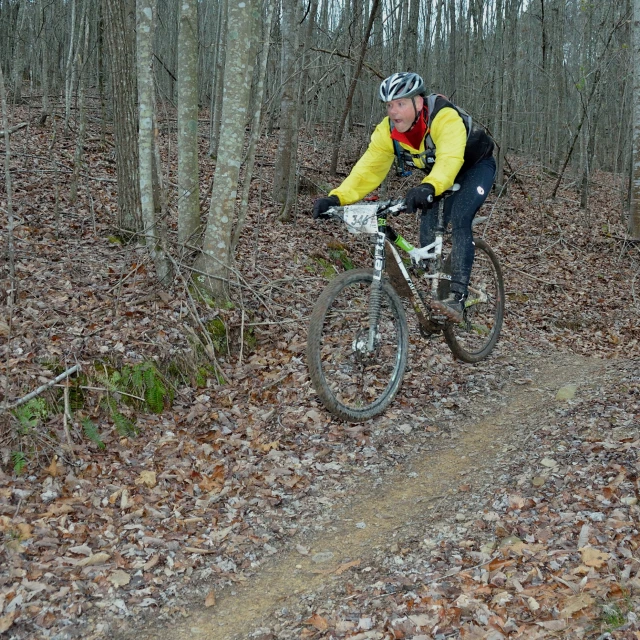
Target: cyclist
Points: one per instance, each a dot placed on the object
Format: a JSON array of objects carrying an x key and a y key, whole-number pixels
[{"x": 439, "y": 144}]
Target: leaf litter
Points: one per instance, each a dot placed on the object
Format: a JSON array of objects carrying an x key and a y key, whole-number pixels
[{"x": 232, "y": 474}]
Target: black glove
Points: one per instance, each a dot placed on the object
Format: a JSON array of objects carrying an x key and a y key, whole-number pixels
[
  {"x": 420, "y": 197},
  {"x": 321, "y": 205}
]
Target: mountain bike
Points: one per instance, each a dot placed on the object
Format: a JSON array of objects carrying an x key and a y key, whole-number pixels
[{"x": 358, "y": 337}]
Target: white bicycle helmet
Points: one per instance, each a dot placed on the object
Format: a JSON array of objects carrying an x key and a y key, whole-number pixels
[{"x": 401, "y": 85}]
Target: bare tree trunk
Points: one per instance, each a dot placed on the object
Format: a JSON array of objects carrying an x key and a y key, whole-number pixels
[
  {"x": 215, "y": 259},
  {"x": 352, "y": 88},
  {"x": 69, "y": 67},
  {"x": 9, "y": 189},
  {"x": 411, "y": 43},
  {"x": 120, "y": 37},
  {"x": 255, "y": 127},
  {"x": 82, "y": 116},
  {"x": 144, "y": 29},
  {"x": 286, "y": 154},
  {"x": 18, "y": 52},
  {"x": 634, "y": 212},
  {"x": 218, "y": 85},
  {"x": 188, "y": 195}
]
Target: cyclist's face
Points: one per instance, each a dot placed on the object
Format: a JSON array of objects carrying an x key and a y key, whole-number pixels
[{"x": 402, "y": 112}]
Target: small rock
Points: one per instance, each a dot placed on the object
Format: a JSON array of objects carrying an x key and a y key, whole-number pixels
[{"x": 323, "y": 556}]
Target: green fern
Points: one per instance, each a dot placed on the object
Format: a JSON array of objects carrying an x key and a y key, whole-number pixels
[
  {"x": 109, "y": 380},
  {"x": 137, "y": 378},
  {"x": 123, "y": 425},
  {"x": 91, "y": 431},
  {"x": 19, "y": 461},
  {"x": 30, "y": 414},
  {"x": 154, "y": 397}
]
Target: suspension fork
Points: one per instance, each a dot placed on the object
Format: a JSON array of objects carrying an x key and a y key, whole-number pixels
[
  {"x": 375, "y": 295},
  {"x": 436, "y": 263}
]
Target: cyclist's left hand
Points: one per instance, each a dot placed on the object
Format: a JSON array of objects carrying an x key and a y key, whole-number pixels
[
  {"x": 420, "y": 197},
  {"x": 322, "y": 205}
]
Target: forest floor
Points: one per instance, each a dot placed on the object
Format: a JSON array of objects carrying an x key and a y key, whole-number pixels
[{"x": 496, "y": 500}]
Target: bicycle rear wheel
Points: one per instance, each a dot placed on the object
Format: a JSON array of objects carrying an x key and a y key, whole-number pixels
[
  {"x": 474, "y": 338},
  {"x": 353, "y": 383}
]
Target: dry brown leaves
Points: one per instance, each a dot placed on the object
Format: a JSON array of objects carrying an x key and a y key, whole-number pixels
[{"x": 217, "y": 483}]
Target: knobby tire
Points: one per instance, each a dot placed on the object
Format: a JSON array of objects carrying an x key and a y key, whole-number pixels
[
  {"x": 354, "y": 385},
  {"x": 475, "y": 337}
]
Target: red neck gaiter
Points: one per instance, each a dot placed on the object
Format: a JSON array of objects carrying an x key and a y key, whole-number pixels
[{"x": 416, "y": 134}]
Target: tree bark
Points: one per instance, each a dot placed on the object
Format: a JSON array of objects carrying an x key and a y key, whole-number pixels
[
  {"x": 634, "y": 212},
  {"x": 286, "y": 154},
  {"x": 215, "y": 259},
  {"x": 188, "y": 194},
  {"x": 146, "y": 141},
  {"x": 120, "y": 38}
]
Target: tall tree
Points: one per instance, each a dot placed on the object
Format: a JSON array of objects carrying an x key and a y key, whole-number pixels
[
  {"x": 634, "y": 213},
  {"x": 119, "y": 34},
  {"x": 215, "y": 258},
  {"x": 146, "y": 140},
  {"x": 188, "y": 197},
  {"x": 286, "y": 153}
]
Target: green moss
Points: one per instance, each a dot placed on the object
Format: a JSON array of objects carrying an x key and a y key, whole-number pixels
[{"x": 218, "y": 333}]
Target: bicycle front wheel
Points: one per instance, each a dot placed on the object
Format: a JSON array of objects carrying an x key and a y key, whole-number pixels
[
  {"x": 353, "y": 382},
  {"x": 474, "y": 338}
]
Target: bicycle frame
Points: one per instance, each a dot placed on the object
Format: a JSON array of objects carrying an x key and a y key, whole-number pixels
[{"x": 385, "y": 239}]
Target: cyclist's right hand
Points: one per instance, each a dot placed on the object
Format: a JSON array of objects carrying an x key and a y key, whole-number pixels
[
  {"x": 420, "y": 197},
  {"x": 322, "y": 205}
]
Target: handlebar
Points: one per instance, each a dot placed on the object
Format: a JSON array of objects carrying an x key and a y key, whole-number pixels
[{"x": 392, "y": 207}]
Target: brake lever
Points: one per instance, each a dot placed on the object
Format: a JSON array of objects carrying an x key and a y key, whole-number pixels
[{"x": 395, "y": 208}]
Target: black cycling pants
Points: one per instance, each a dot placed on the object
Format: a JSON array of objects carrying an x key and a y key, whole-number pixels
[{"x": 460, "y": 209}]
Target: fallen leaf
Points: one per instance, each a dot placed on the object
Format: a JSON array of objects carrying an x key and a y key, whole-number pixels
[
  {"x": 318, "y": 622},
  {"x": 553, "y": 625},
  {"x": 152, "y": 562},
  {"x": 120, "y": 578},
  {"x": 574, "y": 604},
  {"x": 97, "y": 558},
  {"x": 53, "y": 469},
  {"x": 7, "y": 621},
  {"x": 210, "y": 600},
  {"x": 147, "y": 478},
  {"x": 533, "y": 604},
  {"x": 83, "y": 549},
  {"x": 347, "y": 565},
  {"x": 593, "y": 557}
]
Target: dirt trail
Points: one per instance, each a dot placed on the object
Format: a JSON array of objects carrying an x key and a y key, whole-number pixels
[{"x": 404, "y": 504}]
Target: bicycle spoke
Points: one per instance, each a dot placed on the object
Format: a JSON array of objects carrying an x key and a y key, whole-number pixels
[
  {"x": 474, "y": 338},
  {"x": 352, "y": 380}
]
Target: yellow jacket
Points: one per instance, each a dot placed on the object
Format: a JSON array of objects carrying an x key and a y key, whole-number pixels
[{"x": 449, "y": 136}]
